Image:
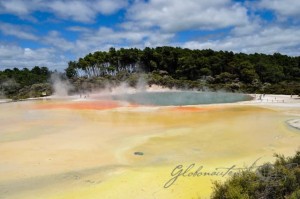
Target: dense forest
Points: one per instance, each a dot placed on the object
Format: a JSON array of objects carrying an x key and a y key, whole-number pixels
[
  {"x": 25, "y": 83},
  {"x": 166, "y": 66},
  {"x": 185, "y": 68}
]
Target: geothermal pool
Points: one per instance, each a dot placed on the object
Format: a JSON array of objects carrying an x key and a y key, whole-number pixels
[
  {"x": 179, "y": 98},
  {"x": 92, "y": 148}
]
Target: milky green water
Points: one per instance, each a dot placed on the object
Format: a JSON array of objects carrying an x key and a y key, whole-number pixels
[{"x": 181, "y": 98}]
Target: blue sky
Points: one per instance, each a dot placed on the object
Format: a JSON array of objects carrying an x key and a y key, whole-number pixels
[{"x": 51, "y": 33}]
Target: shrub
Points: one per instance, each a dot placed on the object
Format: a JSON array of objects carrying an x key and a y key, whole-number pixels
[{"x": 270, "y": 181}]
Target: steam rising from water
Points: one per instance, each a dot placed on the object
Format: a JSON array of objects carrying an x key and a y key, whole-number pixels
[
  {"x": 9, "y": 84},
  {"x": 2, "y": 96},
  {"x": 144, "y": 95},
  {"x": 61, "y": 87},
  {"x": 141, "y": 84}
]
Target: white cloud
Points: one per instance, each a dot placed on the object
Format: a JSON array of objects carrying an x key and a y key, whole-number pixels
[
  {"x": 17, "y": 7},
  {"x": 253, "y": 26},
  {"x": 15, "y": 56},
  {"x": 8, "y": 52},
  {"x": 104, "y": 37},
  {"x": 178, "y": 15},
  {"x": 17, "y": 31},
  {"x": 54, "y": 39},
  {"x": 286, "y": 8},
  {"x": 109, "y": 6},
  {"x": 77, "y": 10},
  {"x": 266, "y": 40},
  {"x": 155, "y": 23},
  {"x": 78, "y": 29}
]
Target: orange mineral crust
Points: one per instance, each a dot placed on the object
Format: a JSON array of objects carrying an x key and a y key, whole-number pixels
[
  {"x": 192, "y": 108},
  {"x": 86, "y": 105}
]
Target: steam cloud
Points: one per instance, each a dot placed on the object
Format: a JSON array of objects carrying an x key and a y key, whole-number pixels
[{"x": 60, "y": 86}]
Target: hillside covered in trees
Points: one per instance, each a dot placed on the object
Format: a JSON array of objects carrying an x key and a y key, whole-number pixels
[
  {"x": 18, "y": 84},
  {"x": 185, "y": 68},
  {"x": 166, "y": 66}
]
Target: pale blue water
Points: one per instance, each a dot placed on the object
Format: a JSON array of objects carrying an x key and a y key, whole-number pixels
[{"x": 181, "y": 98}]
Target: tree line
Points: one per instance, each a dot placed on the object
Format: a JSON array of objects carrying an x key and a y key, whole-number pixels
[
  {"x": 166, "y": 66},
  {"x": 235, "y": 71}
]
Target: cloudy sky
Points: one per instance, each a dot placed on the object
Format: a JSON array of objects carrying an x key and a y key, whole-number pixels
[{"x": 52, "y": 32}]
